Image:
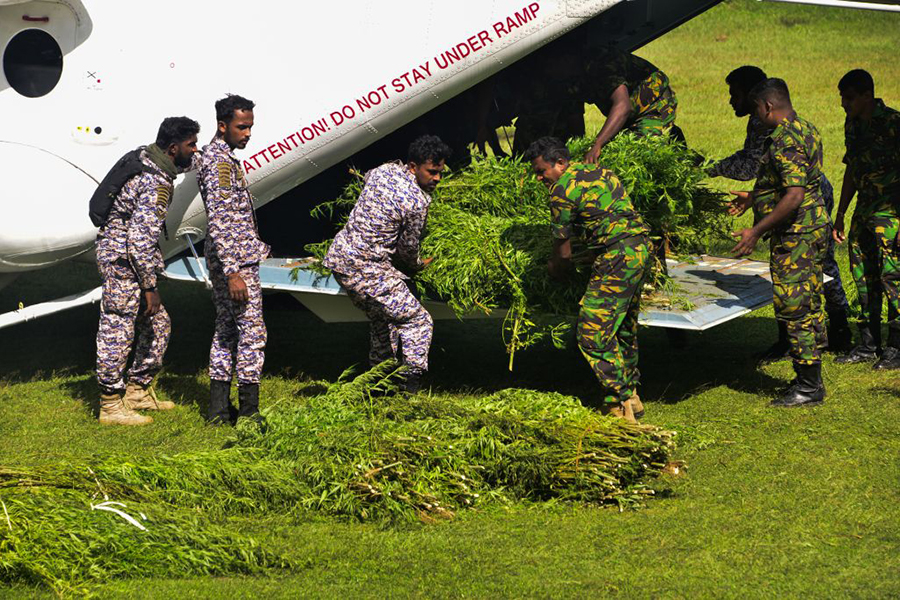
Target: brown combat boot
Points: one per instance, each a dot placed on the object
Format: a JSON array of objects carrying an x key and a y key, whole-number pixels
[
  {"x": 114, "y": 412},
  {"x": 621, "y": 410},
  {"x": 139, "y": 397},
  {"x": 637, "y": 407}
]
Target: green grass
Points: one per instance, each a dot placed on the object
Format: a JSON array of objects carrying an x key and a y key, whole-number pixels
[{"x": 773, "y": 503}]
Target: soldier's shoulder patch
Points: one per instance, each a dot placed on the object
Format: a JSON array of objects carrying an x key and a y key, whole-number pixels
[
  {"x": 163, "y": 194},
  {"x": 224, "y": 174}
]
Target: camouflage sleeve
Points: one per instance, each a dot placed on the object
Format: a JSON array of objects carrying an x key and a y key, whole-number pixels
[
  {"x": 791, "y": 162},
  {"x": 848, "y": 141},
  {"x": 411, "y": 235},
  {"x": 562, "y": 213},
  {"x": 143, "y": 231},
  {"x": 217, "y": 177},
  {"x": 743, "y": 164}
]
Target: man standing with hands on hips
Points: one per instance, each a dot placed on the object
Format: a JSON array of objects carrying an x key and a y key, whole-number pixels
[{"x": 233, "y": 253}]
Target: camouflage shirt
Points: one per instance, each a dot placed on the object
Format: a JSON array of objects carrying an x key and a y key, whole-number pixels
[
  {"x": 743, "y": 164},
  {"x": 609, "y": 69},
  {"x": 233, "y": 236},
  {"x": 132, "y": 229},
  {"x": 590, "y": 201},
  {"x": 386, "y": 225},
  {"x": 873, "y": 160},
  {"x": 792, "y": 158}
]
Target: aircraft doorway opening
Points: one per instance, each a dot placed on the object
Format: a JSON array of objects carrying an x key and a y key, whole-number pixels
[{"x": 32, "y": 63}]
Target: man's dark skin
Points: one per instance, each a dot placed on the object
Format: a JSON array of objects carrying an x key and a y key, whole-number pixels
[
  {"x": 180, "y": 154},
  {"x": 615, "y": 121},
  {"x": 858, "y": 107},
  {"x": 770, "y": 114},
  {"x": 236, "y": 133},
  {"x": 560, "y": 264}
]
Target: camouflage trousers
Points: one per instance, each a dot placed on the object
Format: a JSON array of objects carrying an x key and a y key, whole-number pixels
[
  {"x": 796, "y": 267},
  {"x": 239, "y": 342},
  {"x": 875, "y": 265},
  {"x": 608, "y": 320},
  {"x": 653, "y": 106},
  {"x": 400, "y": 326},
  {"x": 121, "y": 322}
]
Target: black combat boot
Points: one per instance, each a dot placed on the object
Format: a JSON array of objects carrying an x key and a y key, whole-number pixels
[
  {"x": 248, "y": 399},
  {"x": 866, "y": 349},
  {"x": 412, "y": 382},
  {"x": 890, "y": 358},
  {"x": 808, "y": 389},
  {"x": 220, "y": 409},
  {"x": 780, "y": 349},
  {"x": 840, "y": 338}
]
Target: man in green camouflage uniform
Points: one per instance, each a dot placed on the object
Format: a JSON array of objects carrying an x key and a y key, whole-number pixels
[
  {"x": 872, "y": 133},
  {"x": 590, "y": 201},
  {"x": 788, "y": 206},
  {"x": 631, "y": 92}
]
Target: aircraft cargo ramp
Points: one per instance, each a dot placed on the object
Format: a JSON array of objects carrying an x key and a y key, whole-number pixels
[{"x": 714, "y": 289}]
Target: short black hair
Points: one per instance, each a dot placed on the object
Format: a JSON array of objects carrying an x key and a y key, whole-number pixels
[
  {"x": 231, "y": 102},
  {"x": 773, "y": 90},
  {"x": 549, "y": 148},
  {"x": 174, "y": 130},
  {"x": 858, "y": 80},
  {"x": 428, "y": 148},
  {"x": 744, "y": 78}
]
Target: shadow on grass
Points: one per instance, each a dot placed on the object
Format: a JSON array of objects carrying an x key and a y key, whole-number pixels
[{"x": 466, "y": 356}]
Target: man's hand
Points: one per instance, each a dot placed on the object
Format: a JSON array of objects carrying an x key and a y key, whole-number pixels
[
  {"x": 237, "y": 289},
  {"x": 593, "y": 154},
  {"x": 559, "y": 269},
  {"x": 837, "y": 231},
  {"x": 740, "y": 204},
  {"x": 153, "y": 301},
  {"x": 748, "y": 238}
]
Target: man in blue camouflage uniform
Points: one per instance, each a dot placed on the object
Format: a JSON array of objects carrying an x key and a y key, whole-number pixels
[
  {"x": 590, "y": 202},
  {"x": 788, "y": 207},
  {"x": 743, "y": 165},
  {"x": 233, "y": 253},
  {"x": 129, "y": 258},
  {"x": 872, "y": 132},
  {"x": 377, "y": 251}
]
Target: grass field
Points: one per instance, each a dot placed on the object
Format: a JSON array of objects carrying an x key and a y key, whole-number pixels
[{"x": 774, "y": 503}]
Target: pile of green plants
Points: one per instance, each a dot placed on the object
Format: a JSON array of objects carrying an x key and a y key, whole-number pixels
[
  {"x": 359, "y": 450},
  {"x": 489, "y": 231}
]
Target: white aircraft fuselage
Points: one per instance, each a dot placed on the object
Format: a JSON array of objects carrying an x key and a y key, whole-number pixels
[{"x": 328, "y": 79}]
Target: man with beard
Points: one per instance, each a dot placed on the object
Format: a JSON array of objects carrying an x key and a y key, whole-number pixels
[
  {"x": 233, "y": 253},
  {"x": 129, "y": 259},
  {"x": 377, "y": 251}
]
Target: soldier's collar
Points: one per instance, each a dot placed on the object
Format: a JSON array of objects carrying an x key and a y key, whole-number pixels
[{"x": 224, "y": 147}]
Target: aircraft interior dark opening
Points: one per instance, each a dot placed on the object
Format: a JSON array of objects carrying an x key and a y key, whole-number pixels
[{"x": 33, "y": 63}]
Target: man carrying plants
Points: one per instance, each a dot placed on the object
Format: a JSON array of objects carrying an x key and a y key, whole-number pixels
[
  {"x": 377, "y": 251},
  {"x": 631, "y": 92},
  {"x": 589, "y": 201},
  {"x": 788, "y": 206}
]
